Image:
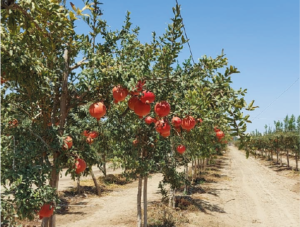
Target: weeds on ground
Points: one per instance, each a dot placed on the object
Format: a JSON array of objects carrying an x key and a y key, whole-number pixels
[{"x": 160, "y": 215}]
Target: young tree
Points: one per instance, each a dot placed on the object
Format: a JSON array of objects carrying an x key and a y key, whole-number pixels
[{"x": 46, "y": 104}]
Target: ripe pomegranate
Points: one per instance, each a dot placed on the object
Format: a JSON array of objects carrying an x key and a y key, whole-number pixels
[
  {"x": 135, "y": 142},
  {"x": 86, "y": 133},
  {"x": 46, "y": 211},
  {"x": 162, "y": 108},
  {"x": 149, "y": 120},
  {"x": 93, "y": 134},
  {"x": 80, "y": 165},
  {"x": 132, "y": 101},
  {"x": 14, "y": 123},
  {"x": 140, "y": 84},
  {"x": 181, "y": 149},
  {"x": 68, "y": 142},
  {"x": 188, "y": 123},
  {"x": 97, "y": 110},
  {"x": 3, "y": 80},
  {"x": 165, "y": 134},
  {"x": 148, "y": 97},
  {"x": 216, "y": 129},
  {"x": 162, "y": 126},
  {"x": 176, "y": 121},
  {"x": 141, "y": 109},
  {"x": 220, "y": 134},
  {"x": 119, "y": 93},
  {"x": 89, "y": 140}
]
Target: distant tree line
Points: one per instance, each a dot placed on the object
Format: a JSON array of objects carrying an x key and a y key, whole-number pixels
[{"x": 289, "y": 124}]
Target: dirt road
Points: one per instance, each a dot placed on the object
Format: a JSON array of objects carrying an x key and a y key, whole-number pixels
[
  {"x": 116, "y": 209},
  {"x": 254, "y": 195},
  {"x": 251, "y": 195}
]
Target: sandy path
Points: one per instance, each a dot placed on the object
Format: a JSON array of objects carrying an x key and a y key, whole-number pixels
[
  {"x": 116, "y": 209},
  {"x": 255, "y": 195},
  {"x": 251, "y": 195},
  {"x": 66, "y": 182}
]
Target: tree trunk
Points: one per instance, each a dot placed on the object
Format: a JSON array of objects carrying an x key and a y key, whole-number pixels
[
  {"x": 287, "y": 158},
  {"x": 53, "y": 183},
  {"x": 98, "y": 189},
  {"x": 51, "y": 222},
  {"x": 145, "y": 200},
  {"x": 172, "y": 197},
  {"x": 272, "y": 155},
  {"x": 186, "y": 170},
  {"x": 104, "y": 164},
  {"x": 277, "y": 156},
  {"x": 280, "y": 159},
  {"x": 193, "y": 171},
  {"x": 78, "y": 185},
  {"x": 139, "y": 201},
  {"x": 63, "y": 114},
  {"x": 296, "y": 160}
]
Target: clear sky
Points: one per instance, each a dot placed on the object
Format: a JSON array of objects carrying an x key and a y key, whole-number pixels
[{"x": 259, "y": 37}]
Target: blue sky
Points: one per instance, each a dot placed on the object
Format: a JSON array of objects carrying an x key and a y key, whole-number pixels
[{"x": 260, "y": 38}]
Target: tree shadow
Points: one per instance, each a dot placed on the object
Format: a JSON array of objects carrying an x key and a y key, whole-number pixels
[{"x": 205, "y": 206}]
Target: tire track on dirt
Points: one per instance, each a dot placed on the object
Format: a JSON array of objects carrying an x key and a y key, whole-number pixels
[{"x": 259, "y": 195}]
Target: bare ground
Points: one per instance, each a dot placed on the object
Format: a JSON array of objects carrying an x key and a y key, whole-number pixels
[
  {"x": 254, "y": 195},
  {"x": 242, "y": 192}
]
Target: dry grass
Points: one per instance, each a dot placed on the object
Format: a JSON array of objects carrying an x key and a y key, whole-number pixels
[
  {"x": 108, "y": 183},
  {"x": 160, "y": 215}
]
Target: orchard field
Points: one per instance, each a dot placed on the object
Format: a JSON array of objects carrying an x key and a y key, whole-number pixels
[{"x": 101, "y": 129}]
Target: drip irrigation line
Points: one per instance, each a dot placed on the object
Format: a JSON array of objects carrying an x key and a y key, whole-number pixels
[
  {"x": 186, "y": 35},
  {"x": 276, "y": 98}
]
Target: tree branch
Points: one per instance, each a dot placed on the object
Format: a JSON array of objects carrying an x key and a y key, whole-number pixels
[
  {"x": 37, "y": 136},
  {"x": 78, "y": 64}
]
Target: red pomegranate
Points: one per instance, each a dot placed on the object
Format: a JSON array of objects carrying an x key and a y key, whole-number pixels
[
  {"x": 46, "y": 211},
  {"x": 216, "y": 129},
  {"x": 141, "y": 109},
  {"x": 119, "y": 93},
  {"x": 165, "y": 134},
  {"x": 220, "y": 134},
  {"x": 176, "y": 121},
  {"x": 162, "y": 108},
  {"x": 89, "y": 140},
  {"x": 132, "y": 101},
  {"x": 86, "y": 133},
  {"x": 93, "y": 134},
  {"x": 80, "y": 165},
  {"x": 140, "y": 84},
  {"x": 149, "y": 120},
  {"x": 188, "y": 123},
  {"x": 135, "y": 142},
  {"x": 97, "y": 110},
  {"x": 3, "y": 80},
  {"x": 181, "y": 149},
  {"x": 162, "y": 126},
  {"x": 68, "y": 142},
  {"x": 14, "y": 123},
  {"x": 148, "y": 97}
]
